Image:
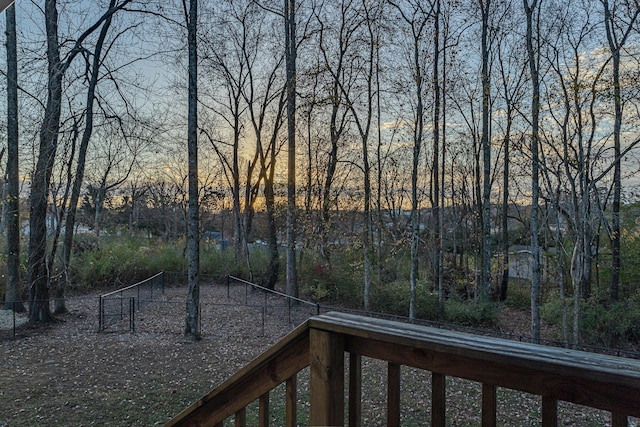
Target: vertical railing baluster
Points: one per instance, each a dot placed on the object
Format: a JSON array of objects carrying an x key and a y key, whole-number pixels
[
  {"x": 355, "y": 390},
  {"x": 292, "y": 402},
  {"x": 263, "y": 411},
  {"x": 489, "y": 405},
  {"x": 619, "y": 420},
  {"x": 241, "y": 418},
  {"x": 549, "y": 412},
  {"x": 438, "y": 400},
  {"x": 393, "y": 395}
]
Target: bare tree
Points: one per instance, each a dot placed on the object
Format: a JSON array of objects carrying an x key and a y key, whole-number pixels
[
  {"x": 620, "y": 22},
  {"x": 80, "y": 166},
  {"x": 231, "y": 62},
  {"x": 416, "y": 18},
  {"x": 485, "y": 285},
  {"x": 38, "y": 271},
  {"x": 265, "y": 96},
  {"x": 192, "y": 322},
  {"x": 290, "y": 61},
  {"x": 12, "y": 199},
  {"x": 363, "y": 122},
  {"x": 512, "y": 78},
  {"x": 341, "y": 79},
  {"x": 532, "y": 11}
]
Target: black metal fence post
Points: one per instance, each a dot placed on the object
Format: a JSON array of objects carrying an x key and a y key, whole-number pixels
[
  {"x": 100, "y": 313},
  {"x": 13, "y": 305},
  {"x": 121, "y": 307},
  {"x": 132, "y": 314}
]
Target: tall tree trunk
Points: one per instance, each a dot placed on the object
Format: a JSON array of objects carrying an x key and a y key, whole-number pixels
[
  {"x": 417, "y": 144},
  {"x": 616, "y": 42},
  {"x": 12, "y": 200},
  {"x": 239, "y": 237},
  {"x": 291, "y": 53},
  {"x": 272, "y": 240},
  {"x": 364, "y": 135},
  {"x": 192, "y": 322},
  {"x": 443, "y": 156},
  {"x": 530, "y": 10},
  {"x": 37, "y": 272},
  {"x": 504, "y": 282},
  {"x": 617, "y": 181},
  {"x": 485, "y": 285},
  {"x": 437, "y": 258}
]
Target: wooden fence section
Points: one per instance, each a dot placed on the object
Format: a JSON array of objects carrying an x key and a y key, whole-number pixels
[{"x": 598, "y": 381}]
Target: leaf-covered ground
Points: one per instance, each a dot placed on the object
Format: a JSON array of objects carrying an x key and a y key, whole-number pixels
[{"x": 68, "y": 374}]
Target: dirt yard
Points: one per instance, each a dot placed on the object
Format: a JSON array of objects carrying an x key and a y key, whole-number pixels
[{"x": 68, "y": 374}]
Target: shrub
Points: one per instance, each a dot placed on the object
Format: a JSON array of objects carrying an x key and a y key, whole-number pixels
[
  {"x": 518, "y": 296},
  {"x": 470, "y": 313},
  {"x": 600, "y": 324}
]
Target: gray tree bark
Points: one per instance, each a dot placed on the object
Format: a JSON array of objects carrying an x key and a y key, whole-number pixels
[
  {"x": 290, "y": 60},
  {"x": 531, "y": 14},
  {"x": 485, "y": 284},
  {"x": 616, "y": 42},
  {"x": 192, "y": 324},
  {"x": 37, "y": 271},
  {"x": 12, "y": 200},
  {"x": 37, "y": 268}
]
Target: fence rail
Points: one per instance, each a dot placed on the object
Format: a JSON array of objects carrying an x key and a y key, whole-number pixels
[{"x": 269, "y": 301}]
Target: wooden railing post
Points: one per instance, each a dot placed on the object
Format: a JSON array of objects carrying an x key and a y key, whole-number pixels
[
  {"x": 438, "y": 400},
  {"x": 393, "y": 395},
  {"x": 355, "y": 390},
  {"x": 489, "y": 405},
  {"x": 326, "y": 378}
]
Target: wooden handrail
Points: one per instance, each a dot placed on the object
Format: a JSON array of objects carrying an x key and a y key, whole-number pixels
[
  {"x": 599, "y": 381},
  {"x": 275, "y": 366}
]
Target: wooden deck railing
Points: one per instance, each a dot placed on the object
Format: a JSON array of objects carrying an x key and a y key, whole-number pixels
[{"x": 604, "y": 382}]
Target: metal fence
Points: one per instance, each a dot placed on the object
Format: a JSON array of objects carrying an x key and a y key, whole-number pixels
[
  {"x": 267, "y": 302},
  {"x": 117, "y": 310},
  {"x": 10, "y": 319},
  {"x": 122, "y": 304}
]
